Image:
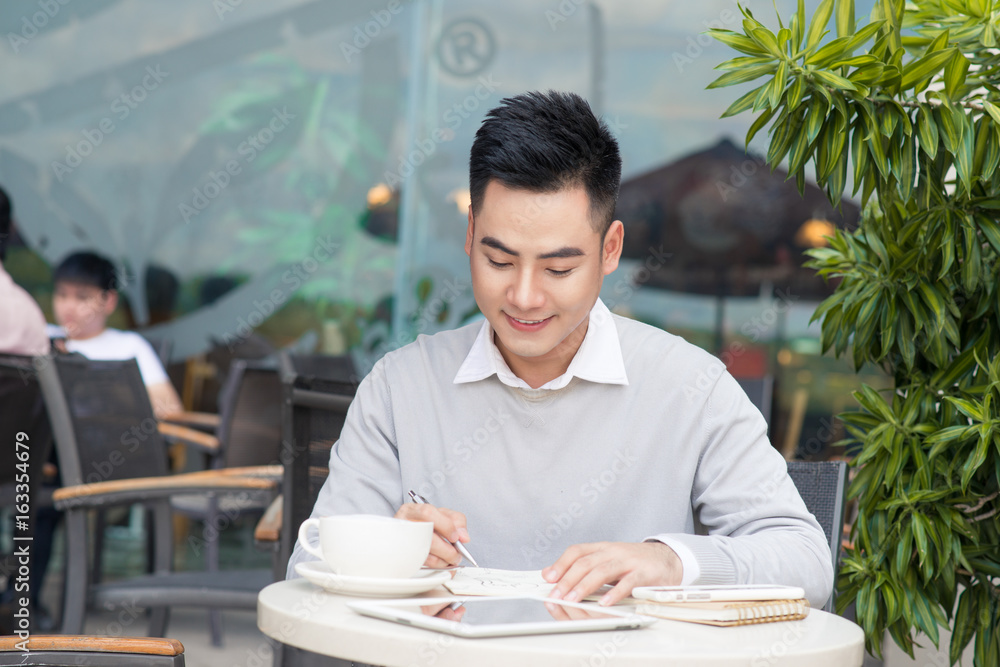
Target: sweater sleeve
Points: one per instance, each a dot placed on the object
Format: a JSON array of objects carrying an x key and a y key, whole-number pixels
[
  {"x": 759, "y": 530},
  {"x": 364, "y": 463}
]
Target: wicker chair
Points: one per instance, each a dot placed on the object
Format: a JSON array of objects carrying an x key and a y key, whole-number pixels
[{"x": 822, "y": 485}]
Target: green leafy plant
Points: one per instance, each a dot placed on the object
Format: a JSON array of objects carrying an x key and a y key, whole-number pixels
[{"x": 908, "y": 103}]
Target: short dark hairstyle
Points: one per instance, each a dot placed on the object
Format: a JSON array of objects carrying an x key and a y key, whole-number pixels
[
  {"x": 87, "y": 268},
  {"x": 545, "y": 142},
  {"x": 6, "y": 211}
]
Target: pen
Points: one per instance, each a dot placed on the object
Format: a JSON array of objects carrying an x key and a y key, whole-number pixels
[{"x": 417, "y": 498}]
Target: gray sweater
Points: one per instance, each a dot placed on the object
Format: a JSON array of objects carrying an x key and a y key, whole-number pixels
[{"x": 680, "y": 451}]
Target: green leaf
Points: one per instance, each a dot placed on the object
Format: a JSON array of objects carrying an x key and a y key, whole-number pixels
[
  {"x": 834, "y": 80},
  {"x": 927, "y": 129},
  {"x": 777, "y": 87},
  {"x": 965, "y": 152},
  {"x": 798, "y": 25},
  {"x": 992, "y": 110},
  {"x": 758, "y": 124},
  {"x": 767, "y": 40},
  {"x": 735, "y": 40},
  {"x": 973, "y": 463},
  {"x": 845, "y": 17},
  {"x": 963, "y": 627},
  {"x": 954, "y": 74},
  {"x": 991, "y": 230},
  {"x": 742, "y": 75},
  {"x": 925, "y": 67},
  {"x": 742, "y": 104},
  {"x": 967, "y": 408},
  {"x": 818, "y": 24}
]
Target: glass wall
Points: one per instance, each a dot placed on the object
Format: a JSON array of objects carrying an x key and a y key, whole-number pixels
[{"x": 298, "y": 170}]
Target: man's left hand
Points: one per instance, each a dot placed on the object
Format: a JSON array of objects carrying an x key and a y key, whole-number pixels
[{"x": 584, "y": 568}]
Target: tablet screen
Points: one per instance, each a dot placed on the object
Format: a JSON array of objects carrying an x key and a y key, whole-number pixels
[
  {"x": 494, "y": 611},
  {"x": 499, "y": 617}
]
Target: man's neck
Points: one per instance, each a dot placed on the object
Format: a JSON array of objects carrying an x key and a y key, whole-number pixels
[{"x": 538, "y": 371}]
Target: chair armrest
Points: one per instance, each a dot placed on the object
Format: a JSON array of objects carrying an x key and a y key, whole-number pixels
[
  {"x": 142, "y": 489},
  {"x": 272, "y": 472},
  {"x": 201, "y": 420},
  {"x": 183, "y": 434},
  {"x": 269, "y": 527},
  {"x": 143, "y": 645}
]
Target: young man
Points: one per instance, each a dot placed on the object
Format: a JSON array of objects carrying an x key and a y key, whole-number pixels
[
  {"x": 563, "y": 437},
  {"x": 22, "y": 325},
  {"x": 85, "y": 296}
]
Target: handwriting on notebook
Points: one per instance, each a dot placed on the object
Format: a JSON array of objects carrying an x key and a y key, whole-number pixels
[{"x": 492, "y": 581}]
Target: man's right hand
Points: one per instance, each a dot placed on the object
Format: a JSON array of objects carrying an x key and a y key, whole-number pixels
[{"x": 449, "y": 526}]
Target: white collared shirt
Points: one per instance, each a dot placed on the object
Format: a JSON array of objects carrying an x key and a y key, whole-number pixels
[{"x": 598, "y": 359}]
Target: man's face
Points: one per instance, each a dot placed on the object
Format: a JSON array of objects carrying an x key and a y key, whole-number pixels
[
  {"x": 82, "y": 310},
  {"x": 537, "y": 269}
]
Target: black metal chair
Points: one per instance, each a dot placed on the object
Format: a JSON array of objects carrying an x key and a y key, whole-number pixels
[
  {"x": 822, "y": 485},
  {"x": 25, "y": 442},
  {"x": 317, "y": 390},
  {"x": 111, "y": 453},
  {"x": 70, "y": 651}
]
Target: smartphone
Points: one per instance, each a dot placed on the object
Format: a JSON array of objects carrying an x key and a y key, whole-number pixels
[{"x": 736, "y": 593}]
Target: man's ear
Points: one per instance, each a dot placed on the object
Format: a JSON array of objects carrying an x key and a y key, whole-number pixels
[
  {"x": 611, "y": 251},
  {"x": 470, "y": 233}
]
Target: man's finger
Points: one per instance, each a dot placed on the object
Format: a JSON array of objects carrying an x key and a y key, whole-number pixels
[{"x": 557, "y": 570}]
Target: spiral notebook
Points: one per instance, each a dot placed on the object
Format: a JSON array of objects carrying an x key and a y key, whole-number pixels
[{"x": 728, "y": 613}]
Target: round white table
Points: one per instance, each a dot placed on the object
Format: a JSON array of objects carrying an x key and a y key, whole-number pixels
[{"x": 299, "y": 614}]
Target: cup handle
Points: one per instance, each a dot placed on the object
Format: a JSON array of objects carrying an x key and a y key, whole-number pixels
[{"x": 304, "y": 538}]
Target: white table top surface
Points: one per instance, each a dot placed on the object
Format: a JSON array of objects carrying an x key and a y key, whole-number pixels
[{"x": 300, "y": 614}]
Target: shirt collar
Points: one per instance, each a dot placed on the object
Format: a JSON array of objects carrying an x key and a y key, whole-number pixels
[{"x": 599, "y": 358}]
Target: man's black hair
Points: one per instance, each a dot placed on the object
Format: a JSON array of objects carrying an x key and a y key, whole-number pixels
[
  {"x": 87, "y": 268},
  {"x": 5, "y": 216},
  {"x": 545, "y": 142}
]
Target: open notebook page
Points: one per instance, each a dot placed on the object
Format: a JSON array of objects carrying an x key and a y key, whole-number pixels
[{"x": 491, "y": 581}]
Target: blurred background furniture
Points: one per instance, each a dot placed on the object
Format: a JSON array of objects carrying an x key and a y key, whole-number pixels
[
  {"x": 25, "y": 441},
  {"x": 248, "y": 434},
  {"x": 86, "y": 651},
  {"x": 111, "y": 453},
  {"x": 823, "y": 485},
  {"x": 760, "y": 390}
]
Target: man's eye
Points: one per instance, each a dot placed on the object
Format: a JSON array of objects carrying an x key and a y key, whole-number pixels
[
  {"x": 497, "y": 265},
  {"x": 560, "y": 273}
]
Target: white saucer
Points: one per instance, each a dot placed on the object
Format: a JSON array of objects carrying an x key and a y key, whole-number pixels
[{"x": 319, "y": 573}]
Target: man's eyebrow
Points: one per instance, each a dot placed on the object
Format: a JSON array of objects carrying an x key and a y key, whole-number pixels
[
  {"x": 555, "y": 254},
  {"x": 495, "y": 244}
]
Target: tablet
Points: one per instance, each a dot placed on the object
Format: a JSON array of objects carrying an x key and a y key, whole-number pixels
[
  {"x": 500, "y": 616},
  {"x": 738, "y": 593}
]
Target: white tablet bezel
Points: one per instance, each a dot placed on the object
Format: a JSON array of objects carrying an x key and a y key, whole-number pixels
[{"x": 388, "y": 610}]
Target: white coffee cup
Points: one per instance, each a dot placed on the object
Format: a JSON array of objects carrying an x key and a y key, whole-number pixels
[{"x": 366, "y": 545}]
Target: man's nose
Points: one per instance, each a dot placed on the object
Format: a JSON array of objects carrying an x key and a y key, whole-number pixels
[{"x": 525, "y": 292}]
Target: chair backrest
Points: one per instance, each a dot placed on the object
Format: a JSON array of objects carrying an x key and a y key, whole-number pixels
[
  {"x": 822, "y": 485},
  {"x": 22, "y": 420},
  {"x": 317, "y": 392},
  {"x": 760, "y": 391},
  {"x": 102, "y": 420},
  {"x": 250, "y": 415}
]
